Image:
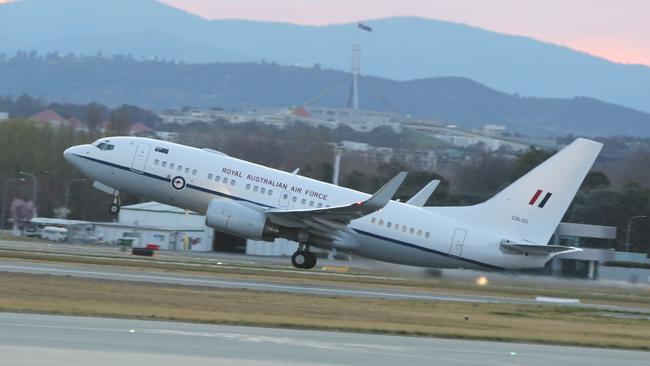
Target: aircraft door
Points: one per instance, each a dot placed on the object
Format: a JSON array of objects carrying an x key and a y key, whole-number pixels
[
  {"x": 457, "y": 242},
  {"x": 140, "y": 158},
  {"x": 285, "y": 196}
]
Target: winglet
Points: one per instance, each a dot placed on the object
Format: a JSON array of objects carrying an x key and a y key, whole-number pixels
[
  {"x": 385, "y": 193},
  {"x": 420, "y": 198}
]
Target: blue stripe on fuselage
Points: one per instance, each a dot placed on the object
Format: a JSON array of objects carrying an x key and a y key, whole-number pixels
[
  {"x": 165, "y": 179},
  {"x": 206, "y": 190}
]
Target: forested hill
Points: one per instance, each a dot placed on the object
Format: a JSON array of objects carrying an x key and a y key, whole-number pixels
[
  {"x": 401, "y": 48},
  {"x": 159, "y": 85}
]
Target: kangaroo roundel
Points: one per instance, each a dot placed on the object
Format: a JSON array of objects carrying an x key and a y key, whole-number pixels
[{"x": 178, "y": 183}]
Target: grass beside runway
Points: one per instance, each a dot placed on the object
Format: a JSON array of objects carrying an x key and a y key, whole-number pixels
[
  {"x": 287, "y": 274},
  {"x": 501, "y": 322}
]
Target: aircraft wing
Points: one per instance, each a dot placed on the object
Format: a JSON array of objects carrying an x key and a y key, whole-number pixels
[
  {"x": 420, "y": 198},
  {"x": 536, "y": 249},
  {"x": 338, "y": 216}
]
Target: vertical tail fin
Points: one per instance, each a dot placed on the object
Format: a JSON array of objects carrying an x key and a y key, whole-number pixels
[{"x": 531, "y": 208}]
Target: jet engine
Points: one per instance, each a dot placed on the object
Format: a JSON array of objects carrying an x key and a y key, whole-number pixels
[{"x": 239, "y": 220}]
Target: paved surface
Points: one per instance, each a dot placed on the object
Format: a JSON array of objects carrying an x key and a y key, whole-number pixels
[
  {"x": 27, "y": 339},
  {"x": 108, "y": 273}
]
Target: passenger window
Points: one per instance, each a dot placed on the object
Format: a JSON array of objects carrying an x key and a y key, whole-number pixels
[
  {"x": 194, "y": 172},
  {"x": 294, "y": 199},
  {"x": 411, "y": 231},
  {"x": 180, "y": 168},
  {"x": 210, "y": 176},
  {"x": 419, "y": 232},
  {"x": 233, "y": 182},
  {"x": 319, "y": 205},
  {"x": 187, "y": 170},
  {"x": 373, "y": 220},
  {"x": 171, "y": 166},
  {"x": 262, "y": 190},
  {"x": 285, "y": 196},
  {"x": 164, "y": 164},
  {"x": 388, "y": 224},
  {"x": 248, "y": 186},
  {"x": 404, "y": 229},
  {"x": 396, "y": 226},
  {"x": 303, "y": 201},
  {"x": 381, "y": 222},
  {"x": 225, "y": 180},
  {"x": 256, "y": 188},
  {"x": 311, "y": 203},
  {"x": 270, "y": 192},
  {"x": 217, "y": 178},
  {"x": 156, "y": 162},
  {"x": 426, "y": 235}
]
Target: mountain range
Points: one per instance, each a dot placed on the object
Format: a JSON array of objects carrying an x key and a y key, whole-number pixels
[
  {"x": 404, "y": 48},
  {"x": 240, "y": 86}
]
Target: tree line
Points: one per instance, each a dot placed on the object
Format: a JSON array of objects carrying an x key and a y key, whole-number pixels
[{"x": 37, "y": 149}]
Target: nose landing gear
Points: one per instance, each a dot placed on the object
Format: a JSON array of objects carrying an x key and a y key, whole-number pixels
[
  {"x": 303, "y": 258},
  {"x": 114, "y": 208}
]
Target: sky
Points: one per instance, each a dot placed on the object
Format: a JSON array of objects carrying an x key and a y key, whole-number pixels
[{"x": 618, "y": 30}]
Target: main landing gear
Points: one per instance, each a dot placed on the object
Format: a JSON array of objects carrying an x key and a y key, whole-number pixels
[
  {"x": 303, "y": 258},
  {"x": 114, "y": 208}
]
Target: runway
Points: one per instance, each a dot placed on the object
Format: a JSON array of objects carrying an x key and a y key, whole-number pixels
[
  {"x": 27, "y": 339},
  {"x": 217, "y": 281}
]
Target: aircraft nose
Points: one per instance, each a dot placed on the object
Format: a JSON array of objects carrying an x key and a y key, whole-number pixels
[
  {"x": 72, "y": 154},
  {"x": 69, "y": 153}
]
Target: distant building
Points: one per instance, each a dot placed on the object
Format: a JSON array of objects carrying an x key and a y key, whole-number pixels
[
  {"x": 276, "y": 117},
  {"x": 140, "y": 129},
  {"x": 359, "y": 120},
  {"x": 48, "y": 116},
  {"x": 166, "y": 135},
  {"x": 53, "y": 119},
  {"x": 417, "y": 159}
]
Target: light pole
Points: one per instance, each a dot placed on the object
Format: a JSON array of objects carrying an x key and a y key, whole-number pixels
[
  {"x": 34, "y": 182},
  {"x": 4, "y": 199},
  {"x": 629, "y": 230},
  {"x": 67, "y": 193}
]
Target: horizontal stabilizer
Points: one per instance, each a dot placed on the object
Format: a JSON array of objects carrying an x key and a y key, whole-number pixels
[
  {"x": 420, "y": 198},
  {"x": 536, "y": 249}
]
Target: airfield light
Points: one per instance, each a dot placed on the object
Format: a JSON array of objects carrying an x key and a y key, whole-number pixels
[{"x": 482, "y": 281}]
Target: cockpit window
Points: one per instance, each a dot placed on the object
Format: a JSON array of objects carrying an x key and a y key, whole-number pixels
[{"x": 105, "y": 146}]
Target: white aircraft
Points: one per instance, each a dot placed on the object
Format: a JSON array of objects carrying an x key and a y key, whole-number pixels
[{"x": 509, "y": 231}]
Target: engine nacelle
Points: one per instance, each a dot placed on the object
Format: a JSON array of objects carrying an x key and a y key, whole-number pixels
[{"x": 239, "y": 220}]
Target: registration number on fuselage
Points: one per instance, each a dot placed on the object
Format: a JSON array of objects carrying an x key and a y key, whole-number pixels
[{"x": 518, "y": 219}]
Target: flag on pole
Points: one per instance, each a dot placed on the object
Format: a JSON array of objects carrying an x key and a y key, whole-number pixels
[{"x": 365, "y": 27}]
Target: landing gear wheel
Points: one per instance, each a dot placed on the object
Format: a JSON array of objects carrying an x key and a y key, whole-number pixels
[
  {"x": 299, "y": 259},
  {"x": 311, "y": 260},
  {"x": 303, "y": 259},
  {"x": 114, "y": 209}
]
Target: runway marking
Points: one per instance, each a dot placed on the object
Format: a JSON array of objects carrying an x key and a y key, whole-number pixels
[
  {"x": 283, "y": 341},
  {"x": 253, "y": 285}
]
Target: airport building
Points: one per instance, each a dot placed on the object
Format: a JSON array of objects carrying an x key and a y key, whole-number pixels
[
  {"x": 172, "y": 228},
  {"x": 154, "y": 223}
]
